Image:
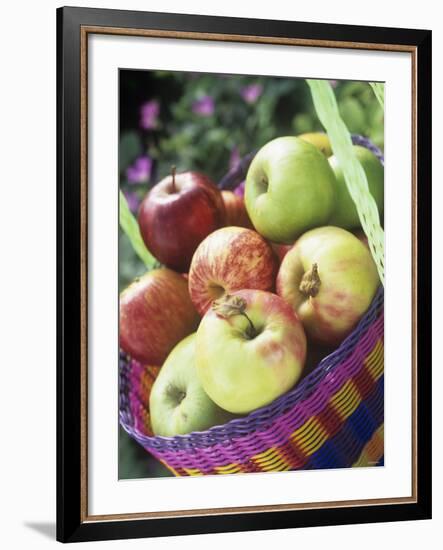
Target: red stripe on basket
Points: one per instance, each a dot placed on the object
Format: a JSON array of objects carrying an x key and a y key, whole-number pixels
[
  {"x": 364, "y": 382},
  {"x": 330, "y": 420},
  {"x": 294, "y": 455}
]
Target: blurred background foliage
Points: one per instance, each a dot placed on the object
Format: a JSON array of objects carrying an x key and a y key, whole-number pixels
[{"x": 206, "y": 122}]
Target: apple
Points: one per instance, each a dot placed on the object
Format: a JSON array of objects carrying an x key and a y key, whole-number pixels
[
  {"x": 345, "y": 213},
  {"x": 156, "y": 312},
  {"x": 230, "y": 259},
  {"x": 280, "y": 250},
  {"x": 251, "y": 348},
  {"x": 361, "y": 235},
  {"x": 235, "y": 210},
  {"x": 289, "y": 189},
  {"x": 320, "y": 140},
  {"x": 177, "y": 214},
  {"x": 178, "y": 404},
  {"x": 330, "y": 279}
]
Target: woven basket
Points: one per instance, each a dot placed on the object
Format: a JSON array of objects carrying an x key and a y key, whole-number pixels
[{"x": 333, "y": 418}]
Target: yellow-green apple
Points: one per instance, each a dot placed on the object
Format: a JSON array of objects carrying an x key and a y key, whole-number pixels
[
  {"x": 345, "y": 213},
  {"x": 156, "y": 312},
  {"x": 289, "y": 189},
  {"x": 251, "y": 348},
  {"x": 330, "y": 279},
  {"x": 235, "y": 210},
  {"x": 177, "y": 214},
  {"x": 320, "y": 140},
  {"x": 178, "y": 404},
  {"x": 230, "y": 259}
]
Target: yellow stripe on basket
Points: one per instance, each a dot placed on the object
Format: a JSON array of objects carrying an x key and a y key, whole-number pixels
[
  {"x": 232, "y": 468},
  {"x": 170, "y": 468},
  {"x": 271, "y": 460},
  {"x": 373, "y": 450},
  {"x": 193, "y": 471},
  {"x": 346, "y": 400},
  {"x": 309, "y": 437},
  {"x": 375, "y": 361}
]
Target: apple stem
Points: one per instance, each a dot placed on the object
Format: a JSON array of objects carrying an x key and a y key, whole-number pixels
[
  {"x": 234, "y": 305},
  {"x": 251, "y": 332},
  {"x": 173, "y": 170},
  {"x": 310, "y": 283}
]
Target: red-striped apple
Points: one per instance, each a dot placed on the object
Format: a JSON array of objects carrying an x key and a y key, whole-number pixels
[
  {"x": 330, "y": 279},
  {"x": 156, "y": 312},
  {"x": 177, "y": 214},
  {"x": 230, "y": 259},
  {"x": 251, "y": 348}
]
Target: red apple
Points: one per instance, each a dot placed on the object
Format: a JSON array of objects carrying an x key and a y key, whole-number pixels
[
  {"x": 177, "y": 214},
  {"x": 156, "y": 312},
  {"x": 230, "y": 259},
  {"x": 330, "y": 279},
  {"x": 235, "y": 210},
  {"x": 280, "y": 249}
]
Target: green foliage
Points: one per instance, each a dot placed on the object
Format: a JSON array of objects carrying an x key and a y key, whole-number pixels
[
  {"x": 134, "y": 462},
  {"x": 129, "y": 148},
  {"x": 130, "y": 226}
]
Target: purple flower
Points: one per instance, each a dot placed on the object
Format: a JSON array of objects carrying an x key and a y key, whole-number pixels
[
  {"x": 333, "y": 83},
  {"x": 149, "y": 112},
  {"x": 251, "y": 92},
  {"x": 140, "y": 171},
  {"x": 133, "y": 201},
  {"x": 234, "y": 159},
  {"x": 203, "y": 106}
]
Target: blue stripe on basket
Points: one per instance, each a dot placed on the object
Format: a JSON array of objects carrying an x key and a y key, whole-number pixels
[
  {"x": 345, "y": 447},
  {"x": 327, "y": 456},
  {"x": 362, "y": 423},
  {"x": 375, "y": 402}
]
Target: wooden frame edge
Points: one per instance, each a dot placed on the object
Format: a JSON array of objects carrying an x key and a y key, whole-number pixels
[
  {"x": 282, "y": 41},
  {"x": 91, "y": 29}
]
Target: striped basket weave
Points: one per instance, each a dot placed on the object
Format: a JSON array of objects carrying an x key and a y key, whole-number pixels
[{"x": 333, "y": 418}]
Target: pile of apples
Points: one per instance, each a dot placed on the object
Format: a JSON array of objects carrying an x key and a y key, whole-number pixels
[{"x": 249, "y": 284}]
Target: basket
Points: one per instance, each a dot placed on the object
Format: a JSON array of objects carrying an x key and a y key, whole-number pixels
[{"x": 333, "y": 418}]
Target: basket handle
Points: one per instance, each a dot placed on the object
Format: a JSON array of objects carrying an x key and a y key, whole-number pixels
[{"x": 327, "y": 111}]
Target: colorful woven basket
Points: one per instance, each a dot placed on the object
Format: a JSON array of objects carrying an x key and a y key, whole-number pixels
[{"x": 333, "y": 418}]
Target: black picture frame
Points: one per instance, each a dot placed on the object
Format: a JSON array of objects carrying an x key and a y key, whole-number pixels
[{"x": 72, "y": 525}]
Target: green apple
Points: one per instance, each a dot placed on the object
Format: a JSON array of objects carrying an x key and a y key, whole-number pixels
[
  {"x": 178, "y": 403},
  {"x": 320, "y": 140},
  {"x": 251, "y": 348},
  {"x": 330, "y": 279},
  {"x": 289, "y": 189},
  {"x": 345, "y": 213}
]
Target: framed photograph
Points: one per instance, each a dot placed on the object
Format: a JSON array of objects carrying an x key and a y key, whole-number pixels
[{"x": 244, "y": 274}]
